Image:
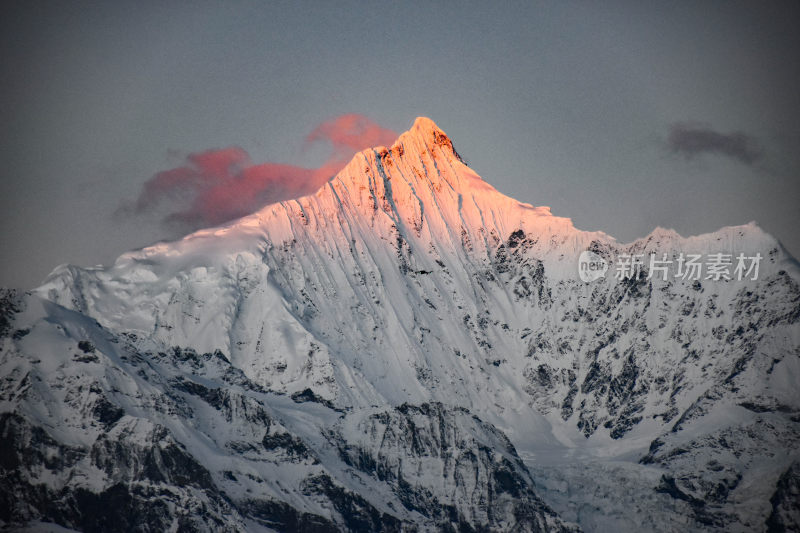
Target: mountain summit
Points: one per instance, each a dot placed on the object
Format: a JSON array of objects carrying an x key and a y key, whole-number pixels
[
  {"x": 406, "y": 349},
  {"x": 425, "y": 135}
]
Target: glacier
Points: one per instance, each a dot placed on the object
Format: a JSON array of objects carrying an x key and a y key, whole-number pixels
[{"x": 407, "y": 349}]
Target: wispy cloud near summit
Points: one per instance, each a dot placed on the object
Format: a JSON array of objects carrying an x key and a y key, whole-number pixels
[
  {"x": 351, "y": 133},
  {"x": 218, "y": 185}
]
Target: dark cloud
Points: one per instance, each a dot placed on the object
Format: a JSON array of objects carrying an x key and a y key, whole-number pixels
[
  {"x": 692, "y": 139},
  {"x": 218, "y": 185}
]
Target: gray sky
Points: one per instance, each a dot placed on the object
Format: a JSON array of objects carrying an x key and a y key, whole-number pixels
[{"x": 623, "y": 116}]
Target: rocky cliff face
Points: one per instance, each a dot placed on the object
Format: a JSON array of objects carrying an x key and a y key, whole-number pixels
[
  {"x": 103, "y": 437},
  {"x": 405, "y": 349}
]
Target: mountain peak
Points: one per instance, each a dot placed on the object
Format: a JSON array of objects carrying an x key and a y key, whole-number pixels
[
  {"x": 421, "y": 163},
  {"x": 424, "y": 135},
  {"x": 423, "y": 157},
  {"x": 427, "y": 129}
]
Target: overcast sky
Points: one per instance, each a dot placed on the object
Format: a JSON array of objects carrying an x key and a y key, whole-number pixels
[{"x": 623, "y": 116}]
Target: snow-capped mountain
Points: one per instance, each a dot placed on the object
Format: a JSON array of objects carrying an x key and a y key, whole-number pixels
[{"x": 406, "y": 349}]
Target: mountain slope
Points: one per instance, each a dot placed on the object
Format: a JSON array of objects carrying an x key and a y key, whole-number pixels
[{"x": 410, "y": 333}]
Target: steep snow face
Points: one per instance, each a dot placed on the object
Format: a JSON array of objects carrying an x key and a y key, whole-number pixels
[
  {"x": 408, "y": 280},
  {"x": 408, "y": 220}
]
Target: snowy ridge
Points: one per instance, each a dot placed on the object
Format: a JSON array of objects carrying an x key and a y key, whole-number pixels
[{"x": 405, "y": 318}]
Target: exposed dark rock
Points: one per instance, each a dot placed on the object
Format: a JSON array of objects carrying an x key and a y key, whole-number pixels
[
  {"x": 357, "y": 514},
  {"x": 282, "y": 517},
  {"x": 10, "y": 304},
  {"x": 785, "y": 515},
  {"x": 291, "y": 445},
  {"x": 308, "y": 395}
]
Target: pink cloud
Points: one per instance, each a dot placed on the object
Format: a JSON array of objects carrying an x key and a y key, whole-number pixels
[
  {"x": 218, "y": 185},
  {"x": 351, "y": 133}
]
